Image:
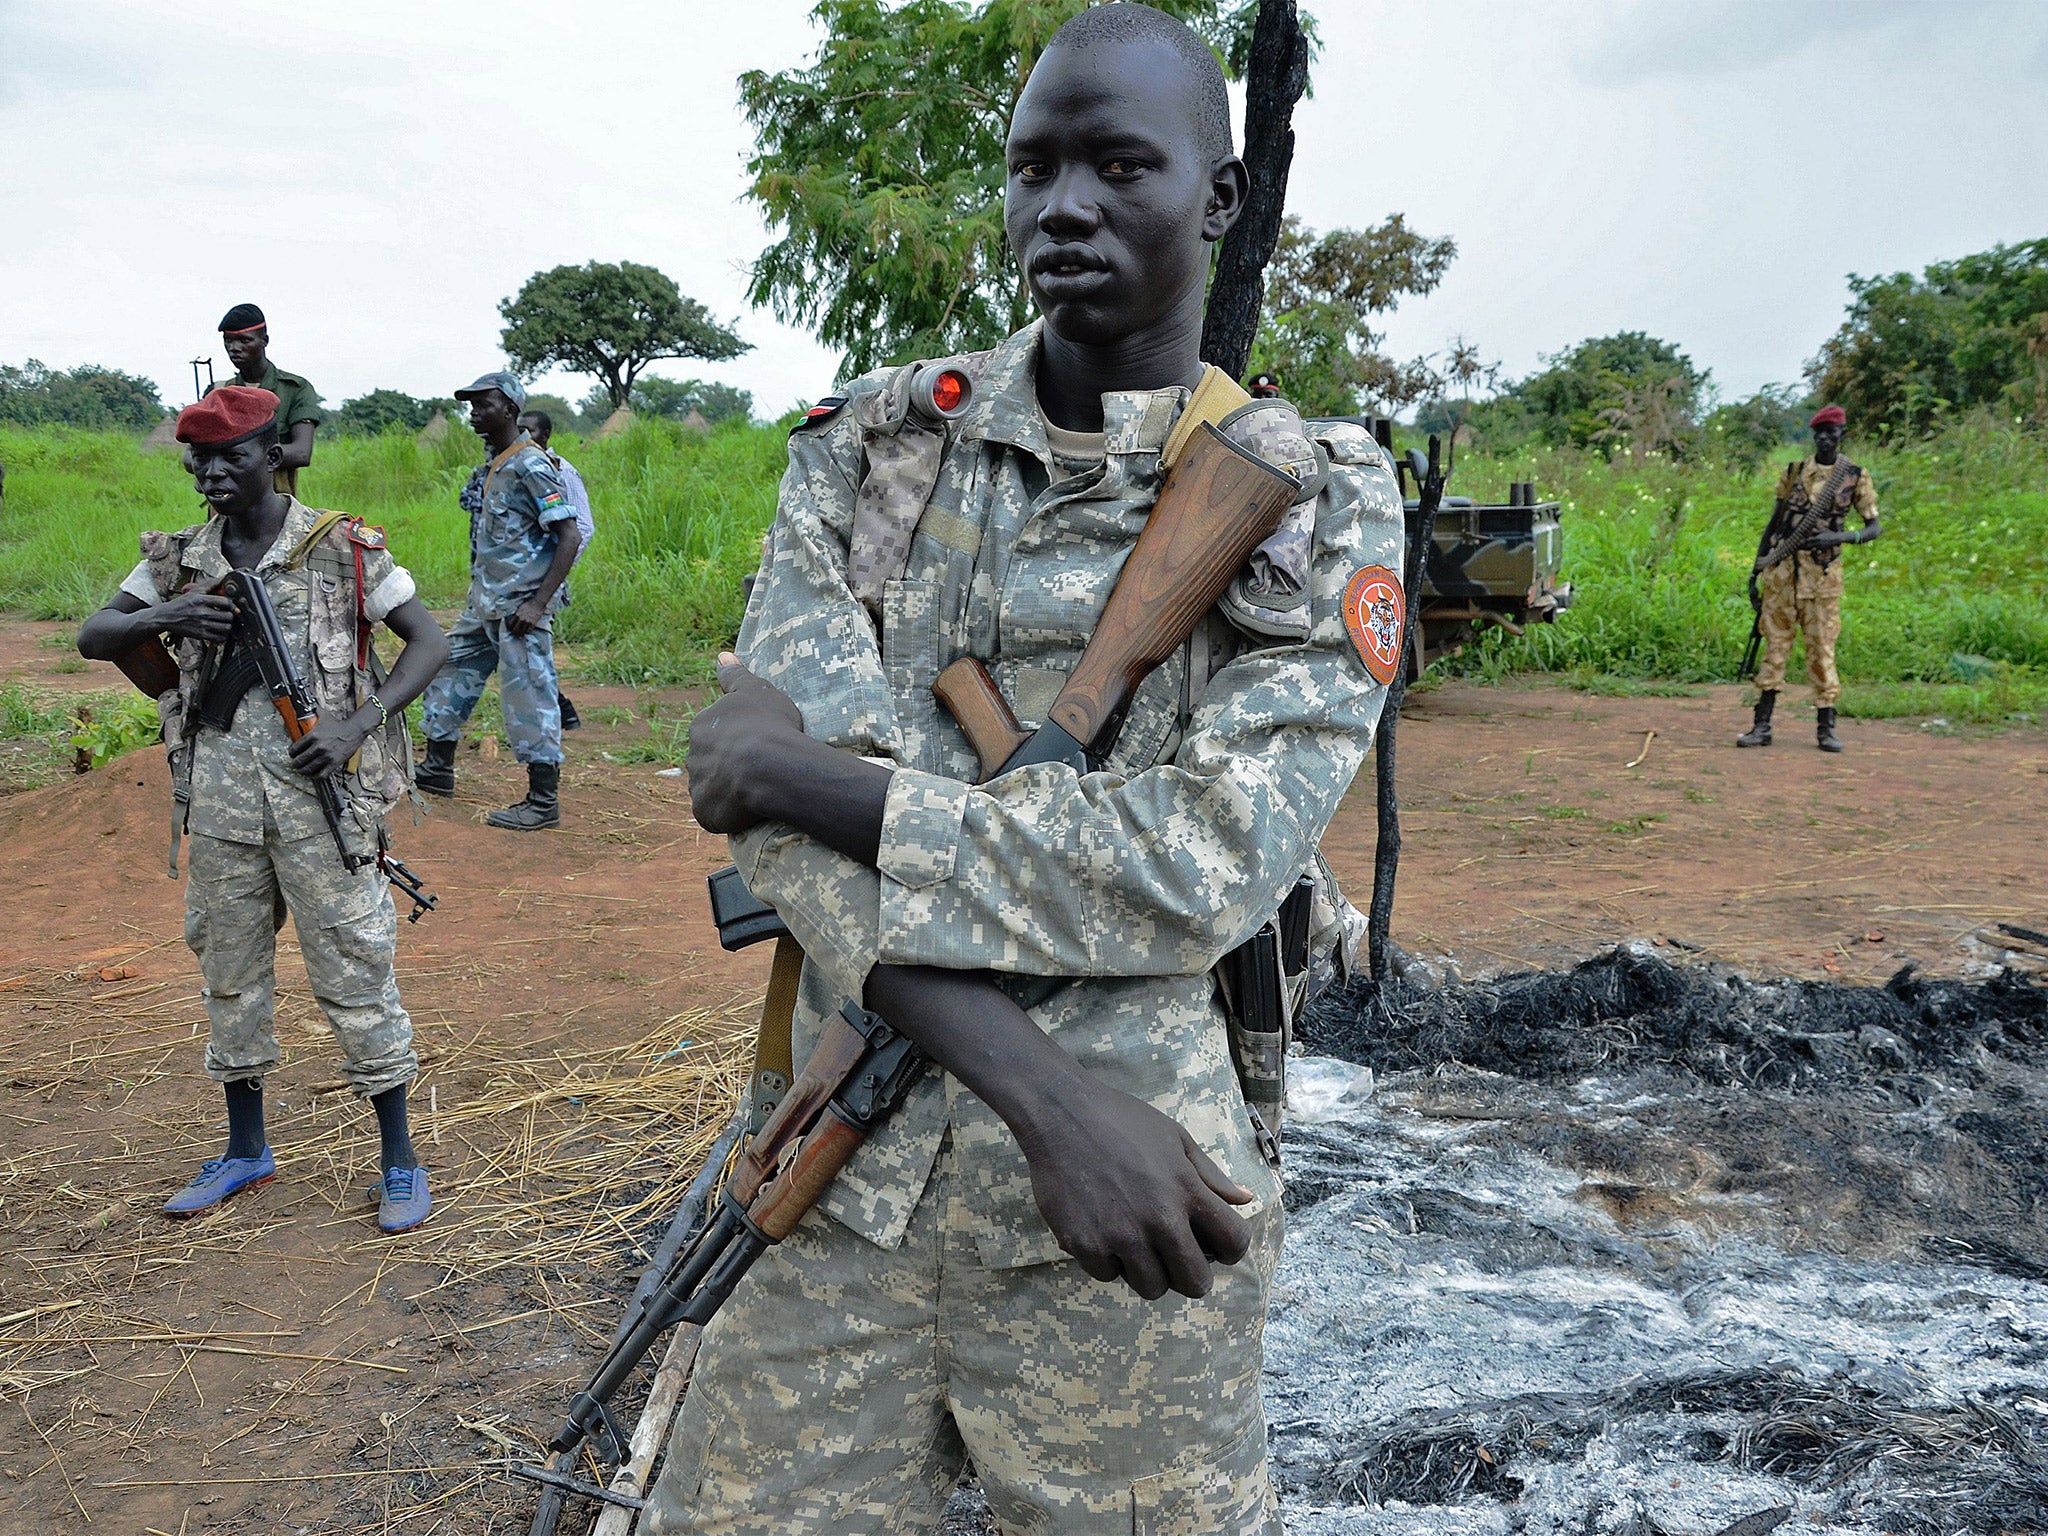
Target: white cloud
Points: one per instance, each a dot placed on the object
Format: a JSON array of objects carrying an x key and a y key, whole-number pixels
[{"x": 379, "y": 176}]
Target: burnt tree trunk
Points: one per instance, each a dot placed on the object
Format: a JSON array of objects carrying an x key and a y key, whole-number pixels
[{"x": 1274, "y": 81}]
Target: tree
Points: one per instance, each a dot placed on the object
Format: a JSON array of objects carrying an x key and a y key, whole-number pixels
[
  {"x": 1321, "y": 290},
  {"x": 1276, "y": 75},
  {"x": 385, "y": 410},
  {"x": 881, "y": 165},
  {"x": 96, "y": 399},
  {"x": 1964, "y": 333},
  {"x": 610, "y": 319},
  {"x": 1745, "y": 432},
  {"x": 677, "y": 398},
  {"x": 1609, "y": 384}
]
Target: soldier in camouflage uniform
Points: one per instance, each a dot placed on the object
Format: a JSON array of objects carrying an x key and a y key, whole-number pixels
[
  {"x": 1800, "y": 588},
  {"x": 522, "y": 540},
  {"x": 261, "y": 846},
  {"x": 1046, "y": 937}
]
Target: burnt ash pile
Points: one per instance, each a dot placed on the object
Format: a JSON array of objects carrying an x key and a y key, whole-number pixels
[{"x": 1646, "y": 1248}]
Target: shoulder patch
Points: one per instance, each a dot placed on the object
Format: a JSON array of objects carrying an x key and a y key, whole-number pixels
[
  {"x": 360, "y": 532},
  {"x": 821, "y": 413},
  {"x": 1376, "y": 617}
]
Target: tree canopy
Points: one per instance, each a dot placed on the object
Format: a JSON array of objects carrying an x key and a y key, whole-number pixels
[
  {"x": 1969, "y": 332},
  {"x": 385, "y": 410},
  {"x": 1321, "y": 292},
  {"x": 93, "y": 398},
  {"x": 609, "y": 319},
  {"x": 881, "y": 166}
]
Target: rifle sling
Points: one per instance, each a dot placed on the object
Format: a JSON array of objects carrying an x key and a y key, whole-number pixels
[{"x": 774, "y": 1052}]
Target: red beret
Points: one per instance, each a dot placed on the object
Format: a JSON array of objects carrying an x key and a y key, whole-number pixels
[
  {"x": 1829, "y": 416},
  {"x": 227, "y": 415}
]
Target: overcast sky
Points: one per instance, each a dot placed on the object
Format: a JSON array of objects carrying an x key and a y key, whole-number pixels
[{"x": 378, "y": 176}]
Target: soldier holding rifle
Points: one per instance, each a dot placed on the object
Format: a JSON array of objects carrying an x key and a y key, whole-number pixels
[
  {"x": 251, "y": 793},
  {"x": 1797, "y": 582},
  {"x": 1055, "y": 1257}
]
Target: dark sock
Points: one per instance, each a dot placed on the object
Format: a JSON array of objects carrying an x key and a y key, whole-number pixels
[
  {"x": 245, "y": 1117},
  {"x": 397, "y": 1151}
]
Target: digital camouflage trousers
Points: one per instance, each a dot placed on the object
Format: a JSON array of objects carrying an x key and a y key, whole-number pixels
[
  {"x": 844, "y": 1385},
  {"x": 235, "y": 903},
  {"x": 527, "y": 686}
]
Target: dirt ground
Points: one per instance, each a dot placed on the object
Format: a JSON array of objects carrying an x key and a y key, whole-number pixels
[{"x": 278, "y": 1366}]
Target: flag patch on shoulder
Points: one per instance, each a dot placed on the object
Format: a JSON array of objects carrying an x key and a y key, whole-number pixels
[
  {"x": 823, "y": 411},
  {"x": 1376, "y": 615}
]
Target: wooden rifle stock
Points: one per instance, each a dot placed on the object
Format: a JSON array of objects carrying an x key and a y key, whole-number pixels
[
  {"x": 1219, "y": 504},
  {"x": 149, "y": 667}
]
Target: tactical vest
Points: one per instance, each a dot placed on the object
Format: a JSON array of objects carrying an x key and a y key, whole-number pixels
[{"x": 345, "y": 668}]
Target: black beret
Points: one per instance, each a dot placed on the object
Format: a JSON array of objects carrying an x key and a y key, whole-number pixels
[{"x": 243, "y": 317}]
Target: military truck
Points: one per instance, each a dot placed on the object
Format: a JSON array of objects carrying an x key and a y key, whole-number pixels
[{"x": 1491, "y": 564}]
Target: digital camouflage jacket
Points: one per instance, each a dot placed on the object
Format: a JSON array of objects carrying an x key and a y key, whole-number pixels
[{"x": 1101, "y": 900}]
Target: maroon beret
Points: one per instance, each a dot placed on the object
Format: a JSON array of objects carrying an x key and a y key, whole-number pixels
[
  {"x": 227, "y": 415},
  {"x": 1829, "y": 416}
]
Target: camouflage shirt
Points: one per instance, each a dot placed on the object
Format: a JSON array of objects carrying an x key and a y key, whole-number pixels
[
  {"x": 239, "y": 775},
  {"x": 1102, "y": 899},
  {"x": 516, "y": 504}
]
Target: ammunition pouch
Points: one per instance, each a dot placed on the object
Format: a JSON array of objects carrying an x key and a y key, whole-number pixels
[{"x": 1264, "y": 982}]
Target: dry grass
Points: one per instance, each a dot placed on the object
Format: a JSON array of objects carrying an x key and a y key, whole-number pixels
[{"x": 553, "y": 1167}]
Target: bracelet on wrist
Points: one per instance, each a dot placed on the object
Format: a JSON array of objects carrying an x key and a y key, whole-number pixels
[{"x": 383, "y": 714}]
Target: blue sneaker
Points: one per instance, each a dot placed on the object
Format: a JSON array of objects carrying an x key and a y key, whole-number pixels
[
  {"x": 406, "y": 1201},
  {"x": 219, "y": 1178}
]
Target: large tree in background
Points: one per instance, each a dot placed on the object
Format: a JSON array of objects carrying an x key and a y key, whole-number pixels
[
  {"x": 880, "y": 165},
  {"x": 610, "y": 319},
  {"x": 1968, "y": 332},
  {"x": 1321, "y": 292},
  {"x": 1275, "y": 69},
  {"x": 1625, "y": 390},
  {"x": 88, "y": 397}
]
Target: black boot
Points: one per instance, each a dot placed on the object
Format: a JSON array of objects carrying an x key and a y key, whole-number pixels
[
  {"x": 1759, "y": 732},
  {"x": 570, "y": 719},
  {"x": 540, "y": 808},
  {"x": 436, "y": 774},
  {"x": 1824, "y": 735}
]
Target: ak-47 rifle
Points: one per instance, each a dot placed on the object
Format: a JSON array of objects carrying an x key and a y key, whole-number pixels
[
  {"x": 1219, "y": 504},
  {"x": 257, "y": 629},
  {"x": 855, "y": 1078}
]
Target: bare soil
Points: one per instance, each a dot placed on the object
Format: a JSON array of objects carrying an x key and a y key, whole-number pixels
[{"x": 278, "y": 1366}]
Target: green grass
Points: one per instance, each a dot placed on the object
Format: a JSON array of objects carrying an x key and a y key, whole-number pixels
[
  {"x": 1944, "y": 615},
  {"x": 1658, "y": 555},
  {"x": 679, "y": 520},
  {"x": 43, "y": 735}
]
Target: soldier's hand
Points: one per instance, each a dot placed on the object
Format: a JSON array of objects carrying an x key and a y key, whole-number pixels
[
  {"x": 326, "y": 748},
  {"x": 1128, "y": 1193},
  {"x": 730, "y": 739},
  {"x": 526, "y": 618},
  {"x": 196, "y": 616}
]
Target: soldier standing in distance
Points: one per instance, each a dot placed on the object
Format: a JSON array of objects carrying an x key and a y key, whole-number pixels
[
  {"x": 261, "y": 846},
  {"x": 246, "y": 336},
  {"x": 1055, "y": 1258},
  {"x": 1797, "y": 581},
  {"x": 540, "y": 426},
  {"x": 522, "y": 541}
]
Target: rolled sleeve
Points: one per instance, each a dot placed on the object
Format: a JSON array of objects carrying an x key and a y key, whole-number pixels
[
  {"x": 393, "y": 592},
  {"x": 141, "y": 586},
  {"x": 1046, "y": 872}
]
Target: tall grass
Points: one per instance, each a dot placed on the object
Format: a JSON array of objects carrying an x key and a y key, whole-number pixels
[
  {"x": 679, "y": 516},
  {"x": 1659, "y": 552}
]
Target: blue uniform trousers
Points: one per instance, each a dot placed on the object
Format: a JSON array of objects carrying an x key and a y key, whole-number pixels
[{"x": 527, "y": 691}]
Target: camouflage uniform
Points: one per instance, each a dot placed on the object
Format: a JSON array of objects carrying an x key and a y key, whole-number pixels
[
  {"x": 260, "y": 845},
  {"x": 517, "y": 505},
  {"x": 924, "y": 1308},
  {"x": 1804, "y": 590},
  {"x": 297, "y": 401}
]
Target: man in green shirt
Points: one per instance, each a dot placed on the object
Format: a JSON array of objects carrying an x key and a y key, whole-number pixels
[{"x": 246, "y": 335}]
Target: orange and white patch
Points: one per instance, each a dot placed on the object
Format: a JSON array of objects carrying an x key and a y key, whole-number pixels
[{"x": 1376, "y": 614}]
